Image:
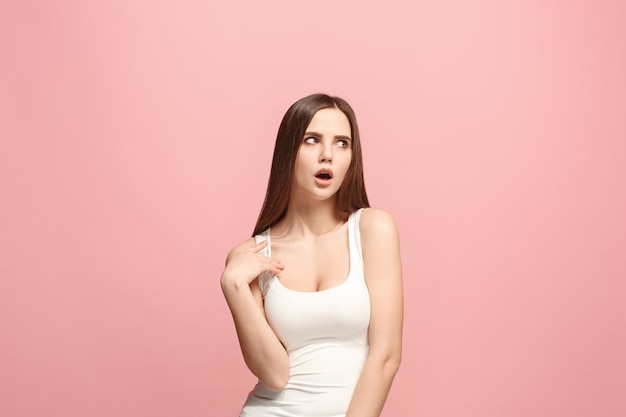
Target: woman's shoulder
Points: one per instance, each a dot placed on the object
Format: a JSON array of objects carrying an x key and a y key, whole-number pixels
[
  {"x": 377, "y": 227},
  {"x": 246, "y": 244},
  {"x": 374, "y": 221},
  {"x": 380, "y": 242}
]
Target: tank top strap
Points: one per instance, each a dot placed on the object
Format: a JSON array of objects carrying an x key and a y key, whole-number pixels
[
  {"x": 354, "y": 239},
  {"x": 265, "y": 277}
]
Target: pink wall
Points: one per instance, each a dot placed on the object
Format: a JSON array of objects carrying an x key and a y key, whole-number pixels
[{"x": 136, "y": 143}]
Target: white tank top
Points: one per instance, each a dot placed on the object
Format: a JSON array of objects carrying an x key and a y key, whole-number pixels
[{"x": 325, "y": 335}]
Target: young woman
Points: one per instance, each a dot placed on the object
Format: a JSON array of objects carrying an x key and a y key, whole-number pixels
[{"x": 316, "y": 293}]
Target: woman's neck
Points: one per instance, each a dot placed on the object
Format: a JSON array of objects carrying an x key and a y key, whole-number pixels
[{"x": 312, "y": 219}]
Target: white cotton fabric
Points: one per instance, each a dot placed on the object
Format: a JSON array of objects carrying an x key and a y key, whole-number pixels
[{"x": 325, "y": 335}]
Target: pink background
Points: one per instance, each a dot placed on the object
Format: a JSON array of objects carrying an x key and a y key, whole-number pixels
[{"x": 136, "y": 144}]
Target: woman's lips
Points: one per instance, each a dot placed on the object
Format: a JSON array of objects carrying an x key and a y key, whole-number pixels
[
  {"x": 324, "y": 177},
  {"x": 323, "y": 182}
]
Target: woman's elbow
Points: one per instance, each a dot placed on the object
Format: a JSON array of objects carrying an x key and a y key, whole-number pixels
[
  {"x": 276, "y": 382},
  {"x": 391, "y": 363}
]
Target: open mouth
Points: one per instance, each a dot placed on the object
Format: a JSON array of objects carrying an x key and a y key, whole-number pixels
[{"x": 323, "y": 176}]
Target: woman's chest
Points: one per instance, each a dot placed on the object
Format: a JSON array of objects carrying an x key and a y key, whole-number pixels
[{"x": 313, "y": 265}]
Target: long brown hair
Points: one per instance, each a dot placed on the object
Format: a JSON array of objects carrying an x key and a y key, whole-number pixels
[{"x": 351, "y": 196}]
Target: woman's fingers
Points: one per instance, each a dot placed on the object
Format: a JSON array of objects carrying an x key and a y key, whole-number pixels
[
  {"x": 245, "y": 262},
  {"x": 273, "y": 264},
  {"x": 258, "y": 247}
]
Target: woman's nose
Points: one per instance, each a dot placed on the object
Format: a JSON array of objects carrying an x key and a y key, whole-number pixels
[{"x": 326, "y": 154}]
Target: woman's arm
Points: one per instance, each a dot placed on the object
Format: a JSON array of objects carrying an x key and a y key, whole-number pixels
[
  {"x": 263, "y": 353},
  {"x": 383, "y": 274}
]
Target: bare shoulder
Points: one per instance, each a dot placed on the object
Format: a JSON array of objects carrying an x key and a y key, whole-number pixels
[
  {"x": 377, "y": 224},
  {"x": 246, "y": 244},
  {"x": 380, "y": 247}
]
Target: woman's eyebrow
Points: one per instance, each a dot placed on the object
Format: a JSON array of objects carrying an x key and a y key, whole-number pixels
[{"x": 318, "y": 135}]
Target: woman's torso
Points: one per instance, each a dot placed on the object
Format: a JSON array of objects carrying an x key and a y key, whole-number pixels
[{"x": 325, "y": 335}]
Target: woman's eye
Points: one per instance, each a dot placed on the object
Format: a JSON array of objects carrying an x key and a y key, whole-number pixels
[
  {"x": 310, "y": 140},
  {"x": 343, "y": 143}
]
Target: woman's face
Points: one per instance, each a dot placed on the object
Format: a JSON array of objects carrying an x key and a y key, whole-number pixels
[{"x": 324, "y": 156}]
